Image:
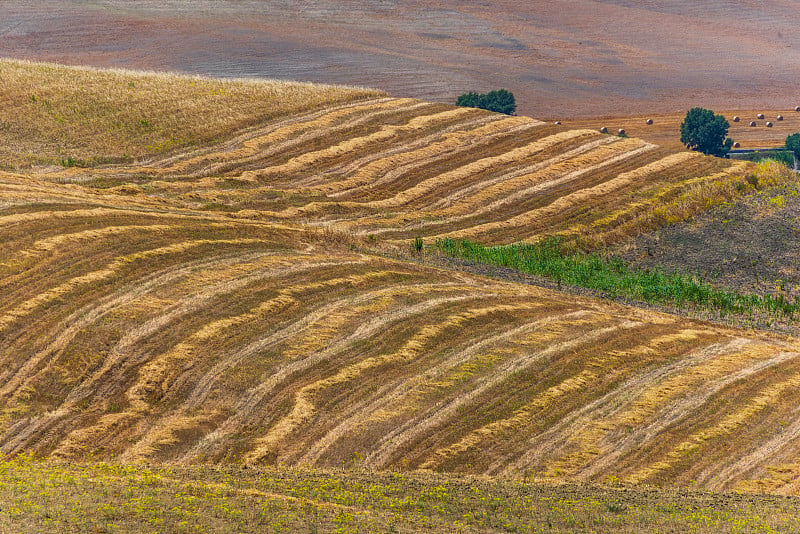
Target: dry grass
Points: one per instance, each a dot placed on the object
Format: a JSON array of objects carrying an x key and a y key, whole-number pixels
[
  {"x": 52, "y": 113},
  {"x": 110, "y": 497}
]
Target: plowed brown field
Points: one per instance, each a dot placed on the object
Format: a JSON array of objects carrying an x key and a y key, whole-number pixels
[
  {"x": 562, "y": 58},
  {"x": 206, "y": 307}
]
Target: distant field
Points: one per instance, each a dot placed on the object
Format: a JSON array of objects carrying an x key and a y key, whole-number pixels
[
  {"x": 665, "y": 130},
  {"x": 564, "y": 58}
]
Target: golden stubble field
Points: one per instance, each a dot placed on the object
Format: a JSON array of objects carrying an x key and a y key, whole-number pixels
[
  {"x": 381, "y": 169},
  {"x": 148, "y": 332},
  {"x": 221, "y": 304}
]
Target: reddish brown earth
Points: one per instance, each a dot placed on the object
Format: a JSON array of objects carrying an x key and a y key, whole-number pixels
[{"x": 562, "y": 59}]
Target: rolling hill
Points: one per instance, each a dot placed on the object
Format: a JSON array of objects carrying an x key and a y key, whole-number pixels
[
  {"x": 389, "y": 170},
  {"x": 150, "y": 332},
  {"x": 227, "y": 304}
]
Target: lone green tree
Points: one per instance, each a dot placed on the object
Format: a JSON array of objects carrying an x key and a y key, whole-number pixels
[
  {"x": 708, "y": 133},
  {"x": 499, "y": 101},
  {"x": 793, "y": 144}
]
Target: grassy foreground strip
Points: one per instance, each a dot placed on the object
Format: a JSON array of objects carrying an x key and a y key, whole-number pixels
[
  {"x": 40, "y": 496},
  {"x": 611, "y": 275}
]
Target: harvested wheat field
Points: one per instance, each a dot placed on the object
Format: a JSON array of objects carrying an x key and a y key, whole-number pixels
[
  {"x": 665, "y": 129},
  {"x": 147, "y": 332},
  {"x": 394, "y": 169},
  {"x": 54, "y": 114},
  {"x": 382, "y": 169},
  {"x": 224, "y": 304}
]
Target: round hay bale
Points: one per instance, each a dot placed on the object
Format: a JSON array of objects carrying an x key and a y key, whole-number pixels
[
  {"x": 648, "y": 122},
  {"x": 779, "y": 117},
  {"x": 797, "y": 108},
  {"x": 752, "y": 123},
  {"x": 760, "y": 116},
  {"x": 620, "y": 132},
  {"x": 736, "y": 144},
  {"x": 769, "y": 124},
  {"x": 558, "y": 123},
  {"x": 603, "y": 130},
  {"x": 735, "y": 118}
]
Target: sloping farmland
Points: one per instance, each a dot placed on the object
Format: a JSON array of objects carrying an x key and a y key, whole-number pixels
[
  {"x": 392, "y": 169},
  {"x": 134, "y": 329}
]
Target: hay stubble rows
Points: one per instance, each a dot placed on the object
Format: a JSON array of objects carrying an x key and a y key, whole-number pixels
[{"x": 207, "y": 306}]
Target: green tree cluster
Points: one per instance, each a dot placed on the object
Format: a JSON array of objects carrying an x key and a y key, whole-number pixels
[
  {"x": 703, "y": 131},
  {"x": 793, "y": 144},
  {"x": 500, "y": 101}
]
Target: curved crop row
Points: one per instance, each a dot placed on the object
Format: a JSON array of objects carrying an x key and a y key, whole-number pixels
[
  {"x": 167, "y": 335},
  {"x": 393, "y": 169}
]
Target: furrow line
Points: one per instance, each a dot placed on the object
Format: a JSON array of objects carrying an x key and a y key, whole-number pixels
[
  {"x": 43, "y": 246},
  {"x": 482, "y": 190},
  {"x": 271, "y": 265},
  {"x": 729, "y": 424},
  {"x": 511, "y": 157},
  {"x": 485, "y": 201},
  {"x": 303, "y": 406},
  {"x": 445, "y": 410},
  {"x": 158, "y": 374},
  {"x": 384, "y": 134},
  {"x": 87, "y": 315},
  {"x": 115, "y": 366},
  {"x": 365, "y": 170},
  {"x": 558, "y": 206},
  {"x": 673, "y": 402},
  {"x": 250, "y": 142},
  {"x": 389, "y": 169},
  {"x": 252, "y": 398},
  {"x": 388, "y": 403},
  {"x": 109, "y": 270},
  {"x": 554, "y": 438}
]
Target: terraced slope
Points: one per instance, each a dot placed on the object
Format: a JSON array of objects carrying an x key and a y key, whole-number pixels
[
  {"x": 152, "y": 332},
  {"x": 392, "y": 169}
]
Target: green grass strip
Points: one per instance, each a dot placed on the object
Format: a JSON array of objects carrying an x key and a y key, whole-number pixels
[{"x": 612, "y": 276}]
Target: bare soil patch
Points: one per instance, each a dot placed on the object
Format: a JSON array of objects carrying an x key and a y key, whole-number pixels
[
  {"x": 750, "y": 245},
  {"x": 561, "y": 59}
]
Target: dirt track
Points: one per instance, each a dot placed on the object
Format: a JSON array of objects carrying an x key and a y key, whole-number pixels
[{"x": 562, "y": 59}]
